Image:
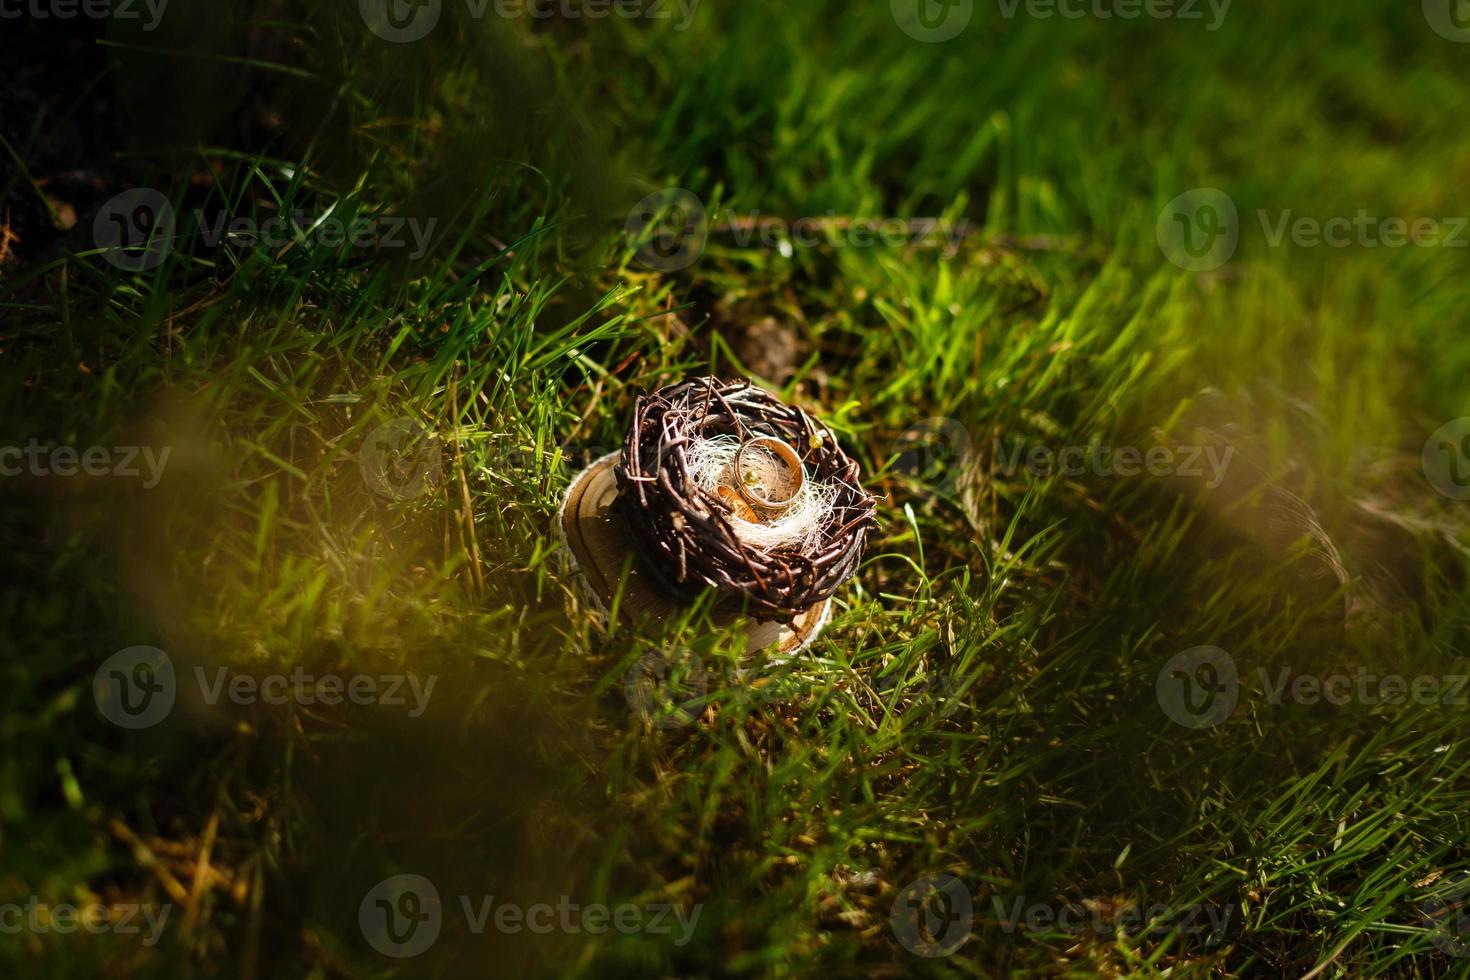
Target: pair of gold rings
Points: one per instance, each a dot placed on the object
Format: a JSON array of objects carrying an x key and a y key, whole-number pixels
[{"x": 747, "y": 481}]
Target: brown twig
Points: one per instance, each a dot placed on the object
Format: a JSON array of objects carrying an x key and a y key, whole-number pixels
[{"x": 464, "y": 489}]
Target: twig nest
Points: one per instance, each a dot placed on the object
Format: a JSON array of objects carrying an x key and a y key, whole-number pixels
[{"x": 726, "y": 487}]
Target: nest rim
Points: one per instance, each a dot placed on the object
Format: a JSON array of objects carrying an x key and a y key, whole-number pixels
[{"x": 683, "y": 532}]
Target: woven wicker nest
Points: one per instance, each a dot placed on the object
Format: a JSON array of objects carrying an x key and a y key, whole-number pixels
[{"x": 684, "y": 532}]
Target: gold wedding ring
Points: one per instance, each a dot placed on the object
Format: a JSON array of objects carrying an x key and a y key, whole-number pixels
[{"x": 745, "y": 477}]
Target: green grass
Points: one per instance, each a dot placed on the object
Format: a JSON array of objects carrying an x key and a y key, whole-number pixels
[{"x": 983, "y": 704}]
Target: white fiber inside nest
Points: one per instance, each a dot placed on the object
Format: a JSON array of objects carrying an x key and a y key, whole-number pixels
[{"x": 712, "y": 466}]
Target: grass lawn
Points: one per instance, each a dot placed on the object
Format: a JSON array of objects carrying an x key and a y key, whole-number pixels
[{"x": 1113, "y": 312}]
